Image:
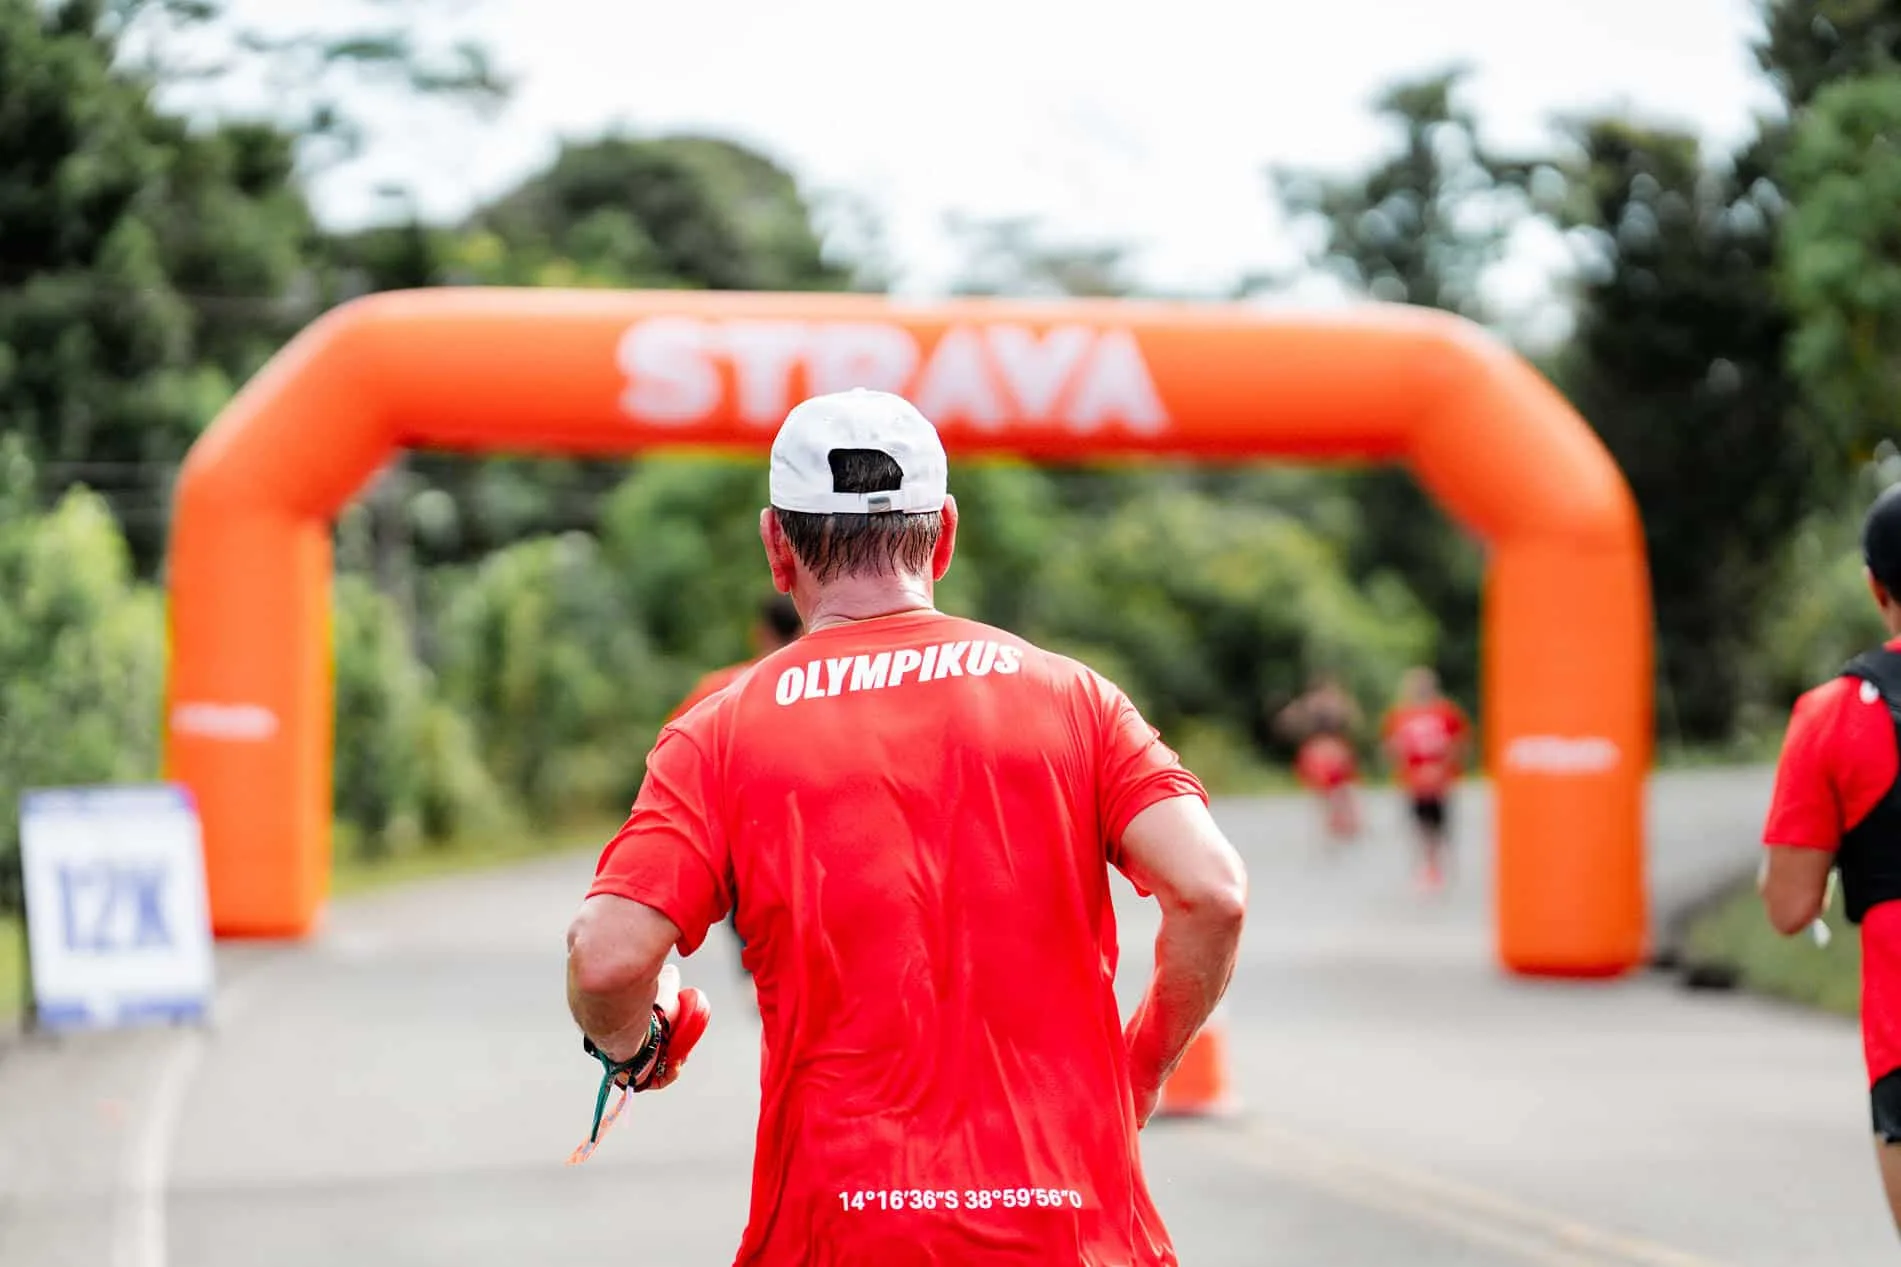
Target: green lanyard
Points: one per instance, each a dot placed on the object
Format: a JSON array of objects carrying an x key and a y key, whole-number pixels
[{"x": 626, "y": 1073}]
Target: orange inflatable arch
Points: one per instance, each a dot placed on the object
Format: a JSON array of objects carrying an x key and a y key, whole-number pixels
[{"x": 1566, "y": 690}]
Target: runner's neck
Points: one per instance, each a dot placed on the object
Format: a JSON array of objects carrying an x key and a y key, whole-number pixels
[{"x": 850, "y": 603}]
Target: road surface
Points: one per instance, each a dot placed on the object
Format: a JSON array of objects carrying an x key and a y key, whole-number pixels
[{"x": 404, "y": 1090}]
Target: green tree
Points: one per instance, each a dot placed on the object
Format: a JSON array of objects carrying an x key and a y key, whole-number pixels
[
  {"x": 682, "y": 536},
  {"x": 1214, "y": 608},
  {"x": 1808, "y": 44},
  {"x": 1421, "y": 227},
  {"x": 408, "y": 769},
  {"x": 1427, "y": 221},
  {"x": 322, "y": 83},
  {"x": 544, "y": 655},
  {"x": 1011, "y": 518},
  {"x": 1823, "y": 615},
  {"x": 1841, "y": 258},
  {"x": 145, "y": 266},
  {"x": 1677, "y": 361},
  {"x": 669, "y": 211},
  {"x": 81, "y": 652}
]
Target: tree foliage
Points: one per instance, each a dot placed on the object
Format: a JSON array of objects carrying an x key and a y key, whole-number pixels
[
  {"x": 1806, "y": 45},
  {"x": 542, "y": 653},
  {"x": 1677, "y": 361},
  {"x": 323, "y": 72},
  {"x": 1425, "y": 223},
  {"x": 509, "y": 633},
  {"x": 81, "y": 651},
  {"x": 1841, "y": 259},
  {"x": 144, "y": 264},
  {"x": 408, "y": 766},
  {"x": 1422, "y": 226}
]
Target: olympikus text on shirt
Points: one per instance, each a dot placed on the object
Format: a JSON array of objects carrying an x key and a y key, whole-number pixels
[{"x": 836, "y": 675}]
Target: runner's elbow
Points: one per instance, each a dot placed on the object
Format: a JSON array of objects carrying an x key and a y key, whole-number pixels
[
  {"x": 602, "y": 964},
  {"x": 1219, "y": 902}
]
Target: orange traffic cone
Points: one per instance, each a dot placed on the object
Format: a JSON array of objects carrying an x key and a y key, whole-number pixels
[{"x": 1199, "y": 1086}]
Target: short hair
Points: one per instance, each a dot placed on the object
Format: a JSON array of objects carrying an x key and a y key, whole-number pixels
[
  {"x": 1881, "y": 539},
  {"x": 779, "y": 615},
  {"x": 831, "y": 546}
]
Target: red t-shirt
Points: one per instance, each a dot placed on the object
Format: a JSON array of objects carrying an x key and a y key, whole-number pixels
[
  {"x": 717, "y": 680},
  {"x": 1325, "y": 762},
  {"x": 1424, "y": 739},
  {"x": 1838, "y": 761},
  {"x": 916, "y": 816}
]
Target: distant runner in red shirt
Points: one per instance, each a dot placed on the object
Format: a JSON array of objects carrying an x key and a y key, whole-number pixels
[
  {"x": 1323, "y": 721},
  {"x": 1426, "y": 736},
  {"x": 916, "y": 815},
  {"x": 777, "y": 626},
  {"x": 1837, "y": 803}
]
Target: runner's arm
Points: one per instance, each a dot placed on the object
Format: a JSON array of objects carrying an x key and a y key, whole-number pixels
[
  {"x": 1804, "y": 823},
  {"x": 616, "y": 948},
  {"x": 1794, "y": 885},
  {"x": 1174, "y": 850},
  {"x": 658, "y": 886}
]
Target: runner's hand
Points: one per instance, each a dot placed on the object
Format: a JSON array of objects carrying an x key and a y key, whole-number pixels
[
  {"x": 668, "y": 1001},
  {"x": 677, "y": 1020},
  {"x": 680, "y": 1018}
]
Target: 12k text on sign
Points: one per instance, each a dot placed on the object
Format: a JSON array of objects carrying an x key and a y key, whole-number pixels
[{"x": 117, "y": 923}]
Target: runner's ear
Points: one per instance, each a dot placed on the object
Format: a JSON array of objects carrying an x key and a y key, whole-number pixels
[{"x": 946, "y": 540}]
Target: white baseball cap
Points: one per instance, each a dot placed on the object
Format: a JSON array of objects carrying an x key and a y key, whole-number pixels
[{"x": 801, "y": 478}]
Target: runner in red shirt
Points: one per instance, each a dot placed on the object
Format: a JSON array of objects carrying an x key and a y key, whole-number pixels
[
  {"x": 778, "y": 626},
  {"x": 1837, "y": 803},
  {"x": 1426, "y": 736},
  {"x": 915, "y": 816},
  {"x": 1323, "y": 720}
]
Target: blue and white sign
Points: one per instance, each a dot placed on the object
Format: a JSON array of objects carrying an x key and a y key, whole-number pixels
[{"x": 118, "y": 927}]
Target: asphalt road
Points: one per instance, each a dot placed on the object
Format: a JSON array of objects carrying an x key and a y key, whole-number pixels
[{"x": 404, "y": 1090}]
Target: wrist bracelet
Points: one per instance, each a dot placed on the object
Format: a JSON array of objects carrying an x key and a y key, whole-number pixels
[{"x": 652, "y": 1052}]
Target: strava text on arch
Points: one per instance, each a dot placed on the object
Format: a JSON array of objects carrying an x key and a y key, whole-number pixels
[{"x": 986, "y": 377}]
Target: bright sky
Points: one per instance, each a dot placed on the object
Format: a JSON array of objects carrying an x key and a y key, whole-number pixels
[{"x": 1152, "y": 129}]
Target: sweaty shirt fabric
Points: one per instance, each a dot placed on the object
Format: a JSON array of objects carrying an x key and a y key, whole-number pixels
[
  {"x": 915, "y": 816},
  {"x": 1838, "y": 761}
]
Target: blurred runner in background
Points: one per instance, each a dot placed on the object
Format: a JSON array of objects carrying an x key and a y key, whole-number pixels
[
  {"x": 1837, "y": 803},
  {"x": 1323, "y": 722},
  {"x": 916, "y": 815},
  {"x": 777, "y": 626},
  {"x": 1426, "y": 736}
]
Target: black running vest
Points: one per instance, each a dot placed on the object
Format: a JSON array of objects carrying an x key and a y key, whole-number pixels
[{"x": 1870, "y": 853}]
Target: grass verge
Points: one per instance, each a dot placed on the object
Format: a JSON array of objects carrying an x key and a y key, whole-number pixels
[
  {"x": 1747, "y": 751},
  {"x": 1734, "y": 933},
  {"x": 12, "y": 966},
  {"x": 475, "y": 851}
]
